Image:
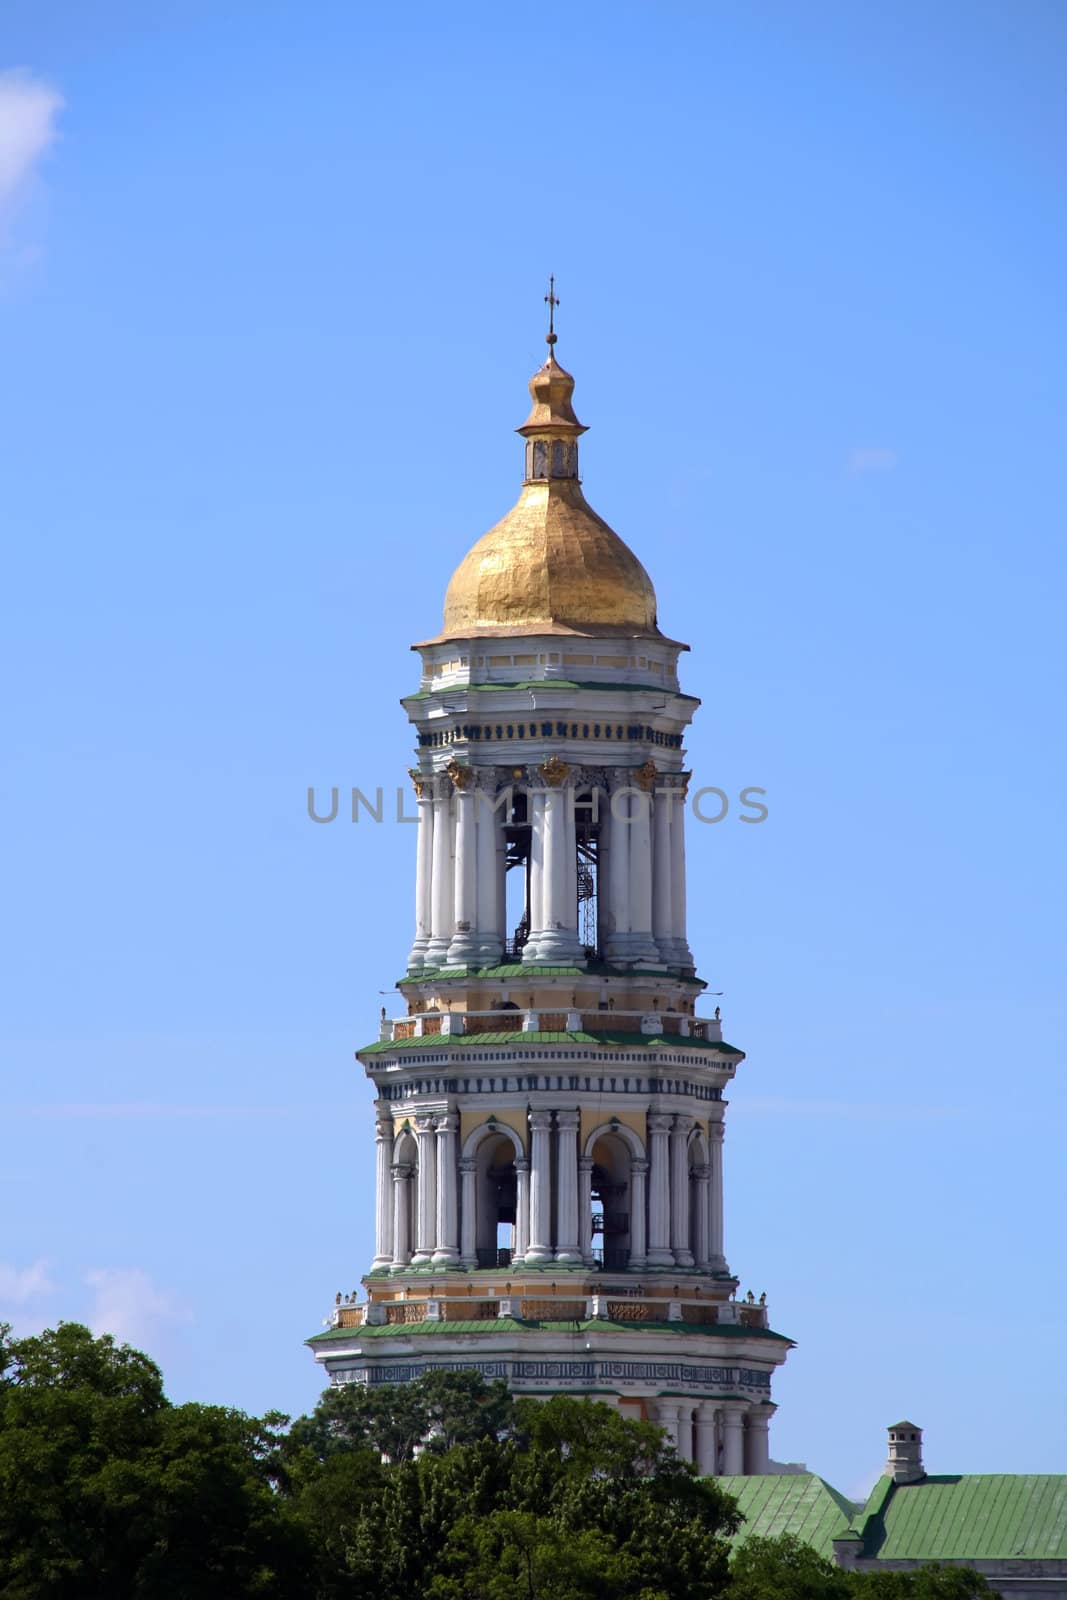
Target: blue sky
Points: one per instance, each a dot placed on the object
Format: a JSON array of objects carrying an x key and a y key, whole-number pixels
[{"x": 270, "y": 292}]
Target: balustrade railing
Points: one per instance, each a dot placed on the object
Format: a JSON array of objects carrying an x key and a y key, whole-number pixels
[{"x": 510, "y": 1019}]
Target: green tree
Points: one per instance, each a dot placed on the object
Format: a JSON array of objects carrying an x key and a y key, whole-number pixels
[
  {"x": 785, "y": 1568},
  {"x": 925, "y": 1583},
  {"x": 108, "y": 1490}
]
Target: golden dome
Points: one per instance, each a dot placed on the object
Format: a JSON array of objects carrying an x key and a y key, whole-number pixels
[{"x": 551, "y": 565}]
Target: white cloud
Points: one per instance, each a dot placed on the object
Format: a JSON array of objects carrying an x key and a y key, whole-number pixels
[
  {"x": 128, "y": 1304},
  {"x": 28, "y": 111},
  {"x": 20, "y": 1286},
  {"x": 872, "y": 458}
]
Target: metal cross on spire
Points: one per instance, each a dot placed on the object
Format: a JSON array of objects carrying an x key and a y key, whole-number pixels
[{"x": 551, "y": 302}]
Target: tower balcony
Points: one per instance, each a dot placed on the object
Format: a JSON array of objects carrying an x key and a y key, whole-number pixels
[
  {"x": 512, "y": 1020},
  {"x": 534, "y": 1303}
]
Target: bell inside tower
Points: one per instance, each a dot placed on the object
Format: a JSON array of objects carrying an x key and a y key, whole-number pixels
[{"x": 518, "y": 844}]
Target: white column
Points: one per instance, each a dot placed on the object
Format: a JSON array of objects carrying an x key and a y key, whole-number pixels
[
  {"x": 522, "y": 1211},
  {"x": 616, "y": 819},
  {"x": 659, "y": 1196},
  {"x": 423, "y": 874},
  {"x": 446, "y": 1253},
  {"x": 685, "y": 1430},
  {"x": 701, "y": 1216},
  {"x": 463, "y": 948},
  {"x": 662, "y": 876},
  {"x": 638, "y": 1178},
  {"x": 535, "y": 802},
  {"x": 559, "y": 939},
  {"x": 733, "y": 1441},
  {"x": 683, "y": 954},
  {"x": 468, "y": 1212},
  {"x": 401, "y": 1215},
  {"x": 704, "y": 1439},
  {"x": 757, "y": 1440},
  {"x": 426, "y": 1199},
  {"x": 585, "y": 1210},
  {"x": 441, "y": 929},
  {"x": 567, "y": 1250},
  {"x": 383, "y": 1192},
  {"x": 683, "y": 1256},
  {"x": 665, "y": 1416},
  {"x": 489, "y": 929},
  {"x": 716, "y": 1253},
  {"x": 540, "y": 1245},
  {"x": 642, "y": 945}
]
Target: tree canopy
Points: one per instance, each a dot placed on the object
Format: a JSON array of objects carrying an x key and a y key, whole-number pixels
[{"x": 446, "y": 1488}]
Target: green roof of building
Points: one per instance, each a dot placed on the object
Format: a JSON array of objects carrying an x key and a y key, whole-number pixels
[
  {"x": 493, "y": 1325},
  {"x": 453, "y": 1041},
  {"x": 799, "y": 1503},
  {"x": 972, "y": 1517}
]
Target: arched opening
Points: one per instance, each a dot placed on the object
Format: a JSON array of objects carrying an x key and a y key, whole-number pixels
[
  {"x": 405, "y": 1189},
  {"x": 517, "y": 875},
  {"x": 610, "y": 1187},
  {"x": 587, "y": 808},
  {"x": 698, "y": 1198},
  {"x": 497, "y": 1202}
]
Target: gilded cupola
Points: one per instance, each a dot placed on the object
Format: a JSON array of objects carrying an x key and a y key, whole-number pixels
[{"x": 551, "y": 565}]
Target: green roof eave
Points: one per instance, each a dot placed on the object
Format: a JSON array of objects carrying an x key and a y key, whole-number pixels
[
  {"x": 455, "y": 1041},
  {"x": 517, "y": 969},
  {"x": 497, "y": 1325},
  {"x": 569, "y": 684}
]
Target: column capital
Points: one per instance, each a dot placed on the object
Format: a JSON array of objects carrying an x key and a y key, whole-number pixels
[
  {"x": 521, "y": 1164},
  {"x": 424, "y": 1122},
  {"x": 586, "y": 1164},
  {"x": 706, "y": 1410},
  {"x": 568, "y": 1121},
  {"x": 400, "y": 1171},
  {"x": 448, "y": 1123},
  {"x": 383, "y": 1129},
  {"x": 682, "y": 1123},
  {"x": 540, "y": 1121},
  {"x": 639, "y": 1166},
  {"x": 716, "y": 1131},
  {"x": 659, "y": 1121},
  {"x": 701, "y": 1173},
  {"x": 462, "y": 777},
  {"x": 469, "y": 1164}
]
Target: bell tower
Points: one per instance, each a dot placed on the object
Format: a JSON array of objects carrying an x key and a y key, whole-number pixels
[{"x": 550, "y": 1106}]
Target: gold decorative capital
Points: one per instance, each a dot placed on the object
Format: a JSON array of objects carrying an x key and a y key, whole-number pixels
[
  {"x": 554, "y": 771},
  {"x": 419, "y": 782},
  {"x": 462, "y": 777},
  {"x": 645, "y": 777}
]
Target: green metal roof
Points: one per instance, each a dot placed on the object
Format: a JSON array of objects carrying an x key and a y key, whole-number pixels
[
  {"x": 494, "y": 1325},
  {"x": 794, "y": 1502},
  {"x": 973, "y": 1517},
  {"x": 453, "y": 1041}
]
